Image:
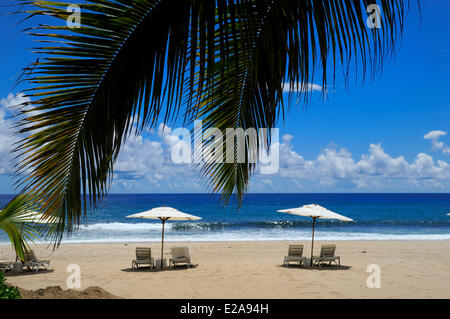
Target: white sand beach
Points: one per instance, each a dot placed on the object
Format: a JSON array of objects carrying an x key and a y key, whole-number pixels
[{"x": 409, "y": 269}]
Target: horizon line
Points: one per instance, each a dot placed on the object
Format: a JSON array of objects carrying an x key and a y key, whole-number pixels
[{"x": 281, "y": 193}]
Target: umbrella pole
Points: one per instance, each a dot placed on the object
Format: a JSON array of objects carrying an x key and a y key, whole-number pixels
[
  {"x": 312, "y": 242},
  {"x": 162, "y": 241}
]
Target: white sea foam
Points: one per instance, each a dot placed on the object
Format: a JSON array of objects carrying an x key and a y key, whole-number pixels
[
  {"x": 141, "y": 234},
  {"x": 257, "y": 237},
  {"x": 151, "y": 232},
  {"x": 124, "y": 226}
]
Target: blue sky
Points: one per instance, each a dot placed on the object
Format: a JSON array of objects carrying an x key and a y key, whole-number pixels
[{"x": 363, "y": 138}]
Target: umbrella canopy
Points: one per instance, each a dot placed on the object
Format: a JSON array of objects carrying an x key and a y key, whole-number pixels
[
  {"x": 163, "y": 214},
  {"x": 38, "y": 218},
  {"x": 315, "y": 211}
]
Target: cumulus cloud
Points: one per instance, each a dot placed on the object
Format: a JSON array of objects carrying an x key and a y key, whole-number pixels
[
  {"x": 434, "y": 136},
  {"x": 7, "y": 136},
  {"x": 286, "y": 138},
  {"x": 335, "y": 166},
  {"x": 14, "y": 100},
  {"x": 146, "y": 164},
  {"x": 308, "y": 87},
  {"x": 6, "y": 141},
  {"x": 165, "y": 133}
]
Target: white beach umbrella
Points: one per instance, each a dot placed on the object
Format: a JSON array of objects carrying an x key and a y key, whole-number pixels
[
  {"x": 315, "y": 211},
  {"x": 37, "y": 218},
  {"x": 164, "y": 214}
]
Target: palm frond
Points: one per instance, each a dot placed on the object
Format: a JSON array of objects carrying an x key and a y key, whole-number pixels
[
  {"x": 135, "y": 62},
  {"x": 121, "y": 63},
  {"x": 11, "y": 221},
  {"x": 284, "y": 41}
]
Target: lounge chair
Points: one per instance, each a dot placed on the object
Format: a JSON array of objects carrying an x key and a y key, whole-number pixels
[
  {"x": 295, "y": 254},
  {"x": 32, "y": 262},
  {"x": 143, "y": 257},
  {"x": 327, "y": 255},
  {"x": 180, "y": 255},
  {"x": 6, "y": 265}
]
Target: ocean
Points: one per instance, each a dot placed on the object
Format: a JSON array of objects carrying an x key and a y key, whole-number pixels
[{"x": 376, "y": 217}]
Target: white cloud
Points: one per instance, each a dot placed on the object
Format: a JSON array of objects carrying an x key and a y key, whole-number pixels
[
  {"x": 145, "y": 165},
  {"x": 307, "y": 87},
  {"x": 286, "y": 138},
  {"x": 6, "y": 142},
  {"x": 7, "y": 133},
  {"x": 165, "y": 133},
  {"x": 14, "y": 100},
  {"x": 434, "y": 136},
  {"x": 336, "y": 166}
]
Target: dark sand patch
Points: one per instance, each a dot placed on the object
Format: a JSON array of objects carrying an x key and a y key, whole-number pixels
[{"x": 56, "y": 292}]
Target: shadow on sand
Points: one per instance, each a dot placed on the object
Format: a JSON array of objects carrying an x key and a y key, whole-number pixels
[
  {"x": 323, "y": 267},
  {"x": 148, "y": 269},
  {"x": 28, "y": 273}
]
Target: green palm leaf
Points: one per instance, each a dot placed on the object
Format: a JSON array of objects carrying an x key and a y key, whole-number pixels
[
  {"x": 135, "y": 62},
  {"x": 12, "y": 223}
]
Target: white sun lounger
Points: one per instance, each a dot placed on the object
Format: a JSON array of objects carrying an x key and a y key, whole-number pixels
[
  {"x": 32, "y": 262},
  {"x": 295, "y": 254},
  {"x": 6, "y": 265},
  {"x": 327, "y": 255},
  {"x": 180, "y": 255},
  {"x": 143, "y": 257}
]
